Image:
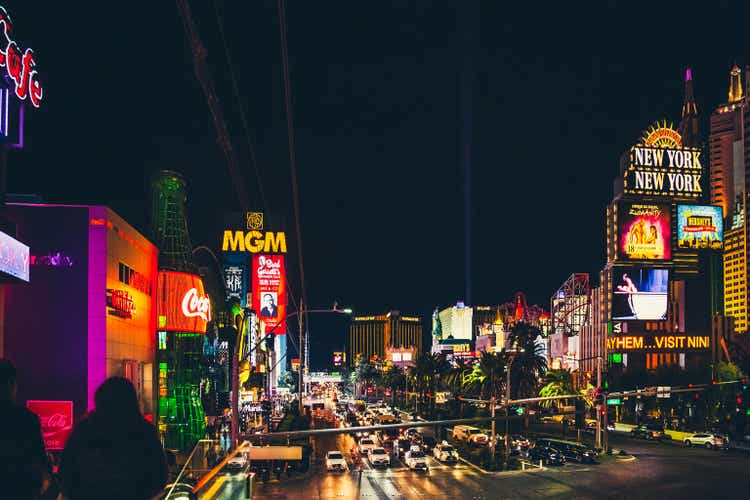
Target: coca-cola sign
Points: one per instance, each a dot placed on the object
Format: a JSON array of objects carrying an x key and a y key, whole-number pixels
[
  {"x": 182, "y": 303},
  {"x": 19, "y": 64},
  {"x": 56, "y": 418},
  {"x": 195, "y": 305}
]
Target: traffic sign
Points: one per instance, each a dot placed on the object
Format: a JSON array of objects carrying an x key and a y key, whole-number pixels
[
  {"x": 614, "y": 401},
  {"x": 664, "y": 391}
]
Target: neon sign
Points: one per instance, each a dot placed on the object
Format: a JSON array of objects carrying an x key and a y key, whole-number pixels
[
  {"x": 196, "y": 306},
  {"x": 121, "y": 303},
  {"x": 19, "y": 65},
  {"x": 662, "y": 135},
  {"x": 658, "y": 342}
]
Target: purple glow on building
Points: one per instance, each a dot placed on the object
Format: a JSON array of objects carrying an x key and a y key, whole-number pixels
[{"x": 97, "y": 304}]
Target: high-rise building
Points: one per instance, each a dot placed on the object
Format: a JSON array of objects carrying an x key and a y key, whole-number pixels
[
  {"x": 457, "y": 322},
  {"x": 729, "y": 145},
  {"x": 183, "y": 311},
  {"x": 369, "y": 336}
]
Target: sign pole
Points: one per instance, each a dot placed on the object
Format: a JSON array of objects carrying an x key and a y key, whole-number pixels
[{"x": 302, "y": 358}]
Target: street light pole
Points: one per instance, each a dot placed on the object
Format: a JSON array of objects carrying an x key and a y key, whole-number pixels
[
  {"x": 301, "y": 357},
  {"x": 507, "y": 412}
]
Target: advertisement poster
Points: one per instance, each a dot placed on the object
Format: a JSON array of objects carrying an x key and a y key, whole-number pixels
[
  {"x": 644, "y": 231},
  {"x": 639, "y": 294},
  {"x": 700, "y": 227},
  {"x": 181, "y": 303},
  {"x": 269, "y": 292},
  {"x": 234, "y": 281},
  {"x": 56, "y": 418}
]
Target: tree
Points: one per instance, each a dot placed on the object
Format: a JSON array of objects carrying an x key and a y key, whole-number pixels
[
  {"x": 556, "y": 383},
  {"x": 529, "y": 362},
  {"x": 364, "y": 375},
  {"x": 395, "y": 379},
  {"x": 487, "y": 378}
]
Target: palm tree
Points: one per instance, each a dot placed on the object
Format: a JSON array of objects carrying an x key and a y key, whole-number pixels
[
  {"x": 366, "y": 374},
  {"x": 487, "y": 377},
  {"x": 556, "y": 383},
  {"x": 529, "y": 362},
  {"x": 395, "y": 379}
]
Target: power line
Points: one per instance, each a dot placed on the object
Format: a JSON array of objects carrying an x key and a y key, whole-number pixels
[{"x": 290, "y": 134}]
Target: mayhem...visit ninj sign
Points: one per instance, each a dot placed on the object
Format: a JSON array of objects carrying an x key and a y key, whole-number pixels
[{"x": 668, "y": 172}]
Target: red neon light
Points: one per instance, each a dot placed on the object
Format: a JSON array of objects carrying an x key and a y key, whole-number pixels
[
  {"x": 19, "y": 66},
  {"x": 182, "y": 302}
]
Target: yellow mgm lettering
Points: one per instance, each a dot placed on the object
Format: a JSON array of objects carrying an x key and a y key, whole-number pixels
[{"x": 253, "y": 242}]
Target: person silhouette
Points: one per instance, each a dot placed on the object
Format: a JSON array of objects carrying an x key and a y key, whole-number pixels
[
  {"x": 114, "y": 452},
  {"x": 24, "y": 467}
]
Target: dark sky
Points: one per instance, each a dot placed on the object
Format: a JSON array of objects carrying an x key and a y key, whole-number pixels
[{"x": 558, "y": 93}]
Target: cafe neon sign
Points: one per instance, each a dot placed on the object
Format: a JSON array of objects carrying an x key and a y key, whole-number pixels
[{"x": 20, "y": 65}]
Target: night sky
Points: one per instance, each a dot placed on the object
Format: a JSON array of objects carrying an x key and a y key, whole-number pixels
[{"x": 558, "y": 94}]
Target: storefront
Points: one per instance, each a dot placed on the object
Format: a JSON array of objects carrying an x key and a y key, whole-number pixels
[{"x": 88, "y": 310}]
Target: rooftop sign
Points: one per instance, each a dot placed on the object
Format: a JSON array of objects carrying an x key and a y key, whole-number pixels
[{"x": 19, "y": 64}]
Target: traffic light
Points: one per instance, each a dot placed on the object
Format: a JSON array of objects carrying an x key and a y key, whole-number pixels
[
  {"x": 697, "y": 395},
  {"x": 744, "y": 383},
  {"x": 598, "y": 398},
  {"x": 580, "y": 414},
  {"x": 520, "y": 410}
]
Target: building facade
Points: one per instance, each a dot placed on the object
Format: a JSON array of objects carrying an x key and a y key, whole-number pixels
[
  {"x": 95, "y": 277},
  {"x": 371, "y": 336},
  {"x": 457, "y": 322},
  {"x": 729, "y": 146}
]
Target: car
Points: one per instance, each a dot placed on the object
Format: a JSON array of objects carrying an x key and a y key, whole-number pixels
[
  {"x": 402, "y": 446},
  {"x": 706, "y": 439},
  {"x": 428, "y": 444},
  {"x": 237, "y": 462},
  {"x": 379, "y": 457},
  {"x": 445, "y": 453},
  {"x": 571, "y": 450},
  {"x": 519, "y": 442},
  {"x": 470, "y": 434},
  {"x": 416, "y": 459},
  {"x": 547, "y": 454},
  {"x": 366, "y": 444},
  {"x": 335, "y": 461},
  {"x": 411, "y": 433},
  {"x": 647, "y": 432}
]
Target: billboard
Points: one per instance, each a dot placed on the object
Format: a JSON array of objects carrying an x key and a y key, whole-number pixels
[
  {"x": 639, "y": 294},
  {"x": 56, "y": 418},
  {"x": 700, "y": 227},
  {"x": 658, "y": 343},
  {"x": 182, "y": 304},
  {"x": 673, "y": 172},
  {"x": 14, "y": 258},
  {"x": 234, "y": 281},
  {"x": 644, "y": 231},
  {"x": 269, "y": 292}
]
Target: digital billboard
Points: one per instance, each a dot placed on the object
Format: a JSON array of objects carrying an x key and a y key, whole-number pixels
[
  {"x": 182, "y": 304},
  {"x": 700, "y": 227},
  {"x": 644, "y": 231},
  {"x": 14, "y": 258},
  {"x": 639, "y": 294},
  {"x": 269, "y": 292}
]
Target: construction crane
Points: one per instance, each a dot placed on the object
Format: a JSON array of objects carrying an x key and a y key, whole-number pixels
[{"x": 209, "y": 90}]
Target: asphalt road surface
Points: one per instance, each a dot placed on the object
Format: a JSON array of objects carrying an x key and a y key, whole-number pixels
[{"x": 651, "y": 470}]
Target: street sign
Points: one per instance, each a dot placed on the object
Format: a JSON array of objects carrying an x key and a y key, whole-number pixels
[
  {"x": 663, "y": 391},
  {"x": 614, "y": 401}
]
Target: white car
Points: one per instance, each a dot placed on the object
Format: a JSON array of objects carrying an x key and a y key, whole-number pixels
[
  {"x": 335, "y": 461},
  {"x": 416, "y": 459},
  {"x": 379, "y": 457},
  {"x": 237, "y": 462},
  {"x": 445, "y": 453},
  {"x": 366, "y": 444},
  {"x": 706, "y": 439}
]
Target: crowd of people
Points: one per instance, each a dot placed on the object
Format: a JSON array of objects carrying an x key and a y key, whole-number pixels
[{"x": 113, "y": 452}]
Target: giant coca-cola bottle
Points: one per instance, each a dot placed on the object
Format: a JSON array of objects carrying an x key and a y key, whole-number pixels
[{"x": 182, "y": 317}]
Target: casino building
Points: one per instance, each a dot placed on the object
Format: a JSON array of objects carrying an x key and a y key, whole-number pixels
[
  {"x": 88, "y": 311},
  {"x": 662, "y": 246},
  {"x": 370, "y": 337},
  {"x": 729, "y": 146}
]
